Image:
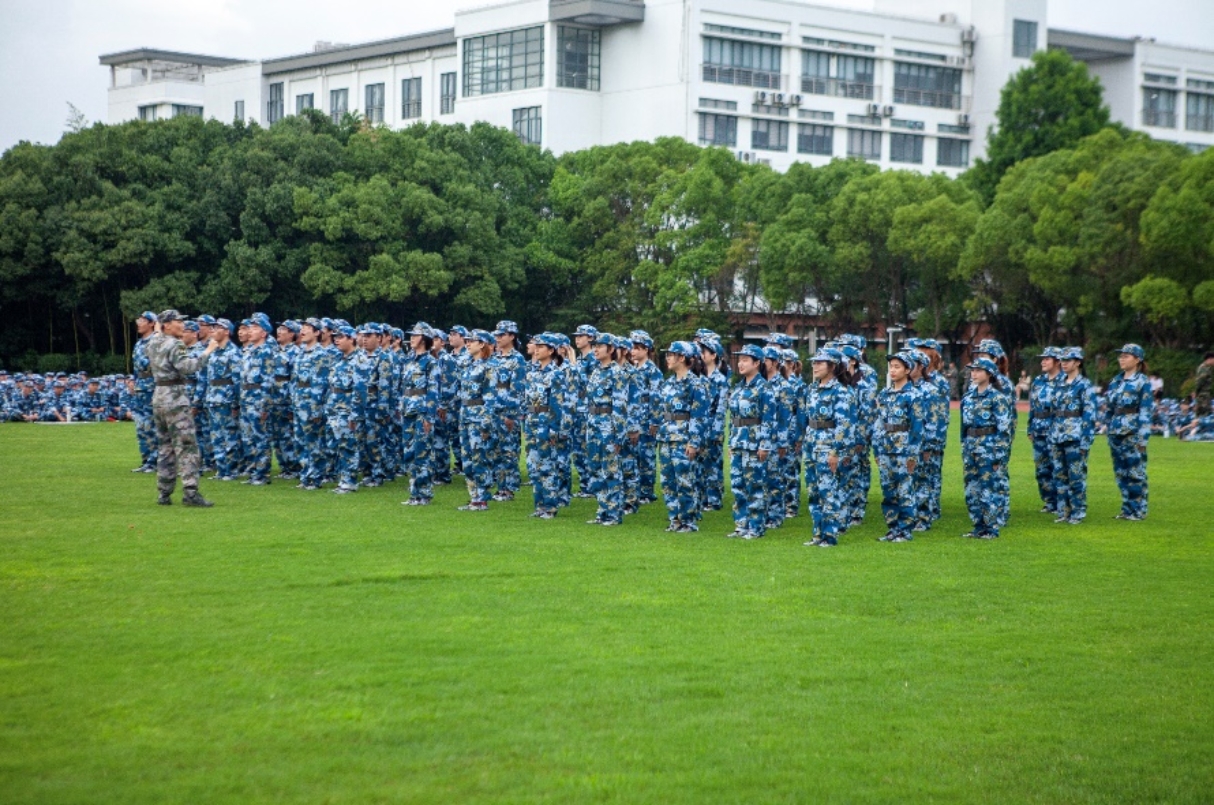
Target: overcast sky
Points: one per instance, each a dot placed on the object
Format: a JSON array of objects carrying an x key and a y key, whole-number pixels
[{"x": 49, "y": 48}]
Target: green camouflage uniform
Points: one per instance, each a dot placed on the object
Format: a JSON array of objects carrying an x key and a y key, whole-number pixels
[{"x": 172, "y": 413}]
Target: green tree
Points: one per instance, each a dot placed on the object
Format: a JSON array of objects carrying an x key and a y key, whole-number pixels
[{"x": 1050, "y": 105}]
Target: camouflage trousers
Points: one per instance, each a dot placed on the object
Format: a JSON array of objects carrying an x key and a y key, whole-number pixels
[
  {"x": 712, "y": 475},
  {"x": 477, "y": 450},
  {"x": 647, "y": 468},
  {"x": 1043, "y": 465},
  {"x": 748, "y": 482},
  {"x": 984, "y": 498},
  {"x": 145, "y": 434},
  {"x": 227, "y": 453},
  {"x": 680, "y": 484},
  {"x": 897, "y": 493},
  {"x": 417, "y": 457},
  {"x": 282, "y": 437},
  {"x": 1070, "y": 479},
  {"x": 548, "y": 474},
  {"x": 443, "y": 438},
  {"x": 347, "y": 446},
  {"x": 255, "y": 435},
  {"x": 631, "y": 473},
  {"x": 927, "y": 485},
  {"x": 177, "y": 449},
  {"x": 310, "y": 436},
  {"x": 506, "y": 455},
  {"x": 792, "y": 486},
  {"x": 860, "y": 482},
  {"x": 777, "y": 487},
  {"x": 373, "y": 445},
  {"x": 826, "y": 493},
  {"x": 606, "y": 476},
  {"x": 577, "y": 452},
  {"x": 1130, "y": 470}
]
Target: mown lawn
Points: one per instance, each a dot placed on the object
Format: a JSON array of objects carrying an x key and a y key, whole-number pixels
[{"x": 304, "y": 647}]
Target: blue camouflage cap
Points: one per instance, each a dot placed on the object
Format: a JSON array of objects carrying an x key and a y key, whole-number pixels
[
  {"x": 849, "y": 351},
  {"x": 460, "y": 330},
  {"x": 1135, "y": 350},
  {"x": 1051, "y": 352},
  {"x": 704, "y": 333},
  {"x": 989, "y": 346},
  {"x": 226, "y": 324},
  {"x": 314, "y": 323},
  {"x": 684, "y": 348},
  {"x": 207, "y": 319},
  {"x": 547, "y": 339},
  {"x": 789, "y": 355},
  {"x": 857, "y": 341},
  {"x": 484, "y": 336},
  {"x": 344, "y": 331},
  {"x": 827, "y": 354},
  {"x": 292, "y": 325},
  {"x": 622, "y": 343},
  {"x": 263, "y": 321},
  {"x": 192, "y": 326},
  {"x": 914, "y": 343},
  {"x": 641, "y": 337},
  {"x": 1072, "y": 353},
  {"x": 780, "y": 340},
  {"x": 605, "y": 339},
  {"x": 562, "y": 340},
  {"x": 149, "y": 315},
  {"x": 421, "y": 328},
  {"x": 504, "y": 327},
  {"x": 587, "y": 330},
  {"x": 986, "y": 365},
  {"x": 771, "y": 353},
  {"x": 751, "y": 351},
  {"x": 327, "y": 323},
  {"x": 906, "y": 358}
]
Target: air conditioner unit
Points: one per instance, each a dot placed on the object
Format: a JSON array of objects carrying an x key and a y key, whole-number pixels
[
  {"x": 746, "y": 156},
  {"x": 760, "y": 98},
  {"x": 887, "y": 111},
  {"x": 959, "y": 61},
  {"x": 874, "y": 109},
  {"x": 969, "y": 36},
  {"x": 963, "y": 119}
]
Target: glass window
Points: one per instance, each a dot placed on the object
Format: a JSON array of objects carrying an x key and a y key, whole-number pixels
[
  {"x": 147, "y": 112},
  {"x": 238, "y": 111},
  {"x": 842, "y": 76},
  {"x": 375, "y": 103},
  {"x": 303, "y": 102},
  {"x": 952, "y": 153},
  {"x": 1159, "y": 107},
  {"x": 274, "y": 106},
  {"x": 927, "y": 85},
  {"x": 818, "y": 140},
  {"x": 747, "y": 64},
  {"x": 1024, "y": 38},
  {"x": 410, "y": 98},
  {"x": 718, "y": 130},
  {"x": 504, "y": 62},
  {"x": 339, "y": 104},
  {"x": 447, "y": 98},
  {"x": 528, "y": 125},
  {"x": 906, "y": 148},
  {"x": 577, "y": 58},
  {"x": 769, "y": 135},
  {"x": 1199, "y": 112},
  {"x": 180, "y": 110},
  {"x": 864, "y": 143}
]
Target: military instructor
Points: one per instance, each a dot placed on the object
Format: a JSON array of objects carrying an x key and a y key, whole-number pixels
[{"x": 171, "y": 410}]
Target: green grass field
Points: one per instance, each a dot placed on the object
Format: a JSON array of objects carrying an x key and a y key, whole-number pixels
[{"x": 304, "y": 647}]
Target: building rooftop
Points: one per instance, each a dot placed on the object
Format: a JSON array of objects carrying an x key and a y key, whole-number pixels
[
  {"x": 367, "y": 50},
  {"x": 151, "y": 54}
]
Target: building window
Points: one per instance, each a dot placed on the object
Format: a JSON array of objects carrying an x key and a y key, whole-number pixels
[
  {"x": 1199, "y": 112},
  {"x": 375, "y": 103},
  {"x": 447, "y": 96},
  {"x": 180, "y": 110},
  {"x": 927, "y": 85},
  {"x": 577, "y": 58},
  {"x": 410, "y": 98},
  {"x": 147, "y": 113},
  {"x": 746, "y": 64},
  {"x": 306, "y": 101},
  {"x": 1159, "y": 107},
  {"x": 841, "y": 76},
  {"x": 274, "y": 106},
  {"x": 769, "y": 135},
  {"x": 528, "y": 125},
  {"x": 952, "y": 153},
  {"x": 1024, "y": 38},
  {"x": 238, "y": 111},
  {"x": 339, "y": 104},
  {"x": 718, "y": 130},
  {"x": 504, "y": 62},
  {"x": 906, "y": 148},
  {"x": 818, "y": 140},
  {"x": 864, "y": 144}
]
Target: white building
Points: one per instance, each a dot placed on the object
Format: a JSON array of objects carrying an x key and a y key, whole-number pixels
[{"x": 911, "y": 84}]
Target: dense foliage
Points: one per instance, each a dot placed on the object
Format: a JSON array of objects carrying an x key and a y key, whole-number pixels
[{"x": 1110, "y": 240}]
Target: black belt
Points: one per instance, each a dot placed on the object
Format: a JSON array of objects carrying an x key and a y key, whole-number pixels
[
  {"x": 980, "y": 432},
  {"x": 415, "y": 392},
  {"x": 220, "y": 381},
  {"x": 746, "y": 421},
  {"x": 474, "y": 401},
  {"x": 281, "y": 378},
  {"x": 162, "y": 383},
  {"x": 680, "y": 416},
  {"x": 503, "y": 385},
  {"x": 601, "y": 409},
  {"x": 541, "y": 409},
  {"x": 897, "y": 428},
  {"x": 250, "y": 386},
  {"x": 1128, "y": 410},
  {"x": 821, "y": 424},
  {"x": 145, "y": 375},
  {"x": 1069, "y": 414},
  {"x": 342, "y": 389}
]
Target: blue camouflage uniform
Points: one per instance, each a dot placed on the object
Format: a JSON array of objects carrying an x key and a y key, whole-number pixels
[
  {"x": 419, "y": 394},
  {"x": 223, "y": 409},
  {"x": 309, "y": 392},
  {"x": 1130, "y": 408},
  {"x": 828, "y": 411},
  {"x": 607, "y": 391},
  {"x": 861, "y": 474},
  {"x": 509, "y": 378},
  {"x": 256, "y": 391},
  {"x": 987, "y": 429},
  {"x": 1071, "y": 435},
  {"x": 752, "y": 417},
  {"x": 346, "y": 411},
  {"x": 548, "y": 408},
  {"x": 795, "y": 465},
  {"x": 898, "y": 439},
  {"x": 681, "y": 411},
  {"x": 446, "y": 419},
  {"x": 581, "y": 369},
  {"x": 378, "y": 464},
  {"x": 196, "y": 389},
  {"x": 477, "y": 428},
  {"x": 1041, "y": 418},
  {"x": 93, "y": 406},
  {"x": 712, "y": 463},
  {"x": 141, "y": 401},
  {"x": 648, "y": 378},
  {"x": 783, "y": 437},
  {"x": 282, "y": 429}
]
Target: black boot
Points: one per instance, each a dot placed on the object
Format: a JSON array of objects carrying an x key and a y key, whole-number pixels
[
  {"x": 164, "y": 499},
  {"x": 192, "y": 498}
]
